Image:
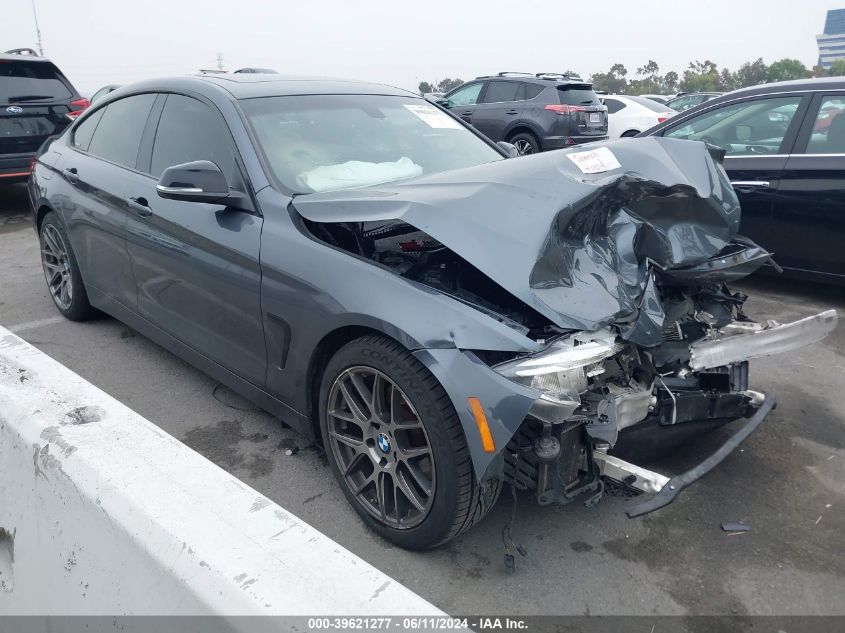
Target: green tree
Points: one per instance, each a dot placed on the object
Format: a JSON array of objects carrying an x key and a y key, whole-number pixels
[
  {"x": 613, "y": 81},
  {"x": 669, "y": 84},
  {"x": 819, "y": 71},
  {"x": 786, "y": 69},
  {"x": 751, "y": 74},
  {"x": 727, "y": 80},
  {"x": 425, "y": 87},
  {"x": 701, "y": 77},
  {"x": 445, "y": 85},
  {"x": 837, "y": 68}
]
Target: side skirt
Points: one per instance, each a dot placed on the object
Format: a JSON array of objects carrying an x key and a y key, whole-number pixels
[{"x": 297, "y": 421}]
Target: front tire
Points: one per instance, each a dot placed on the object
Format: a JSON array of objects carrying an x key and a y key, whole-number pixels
[
  {"x": 61, "y": 270},
  {"x": 397, "y": 447}
]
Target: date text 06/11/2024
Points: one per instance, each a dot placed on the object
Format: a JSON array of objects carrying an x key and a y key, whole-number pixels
[{"x": 423, "y": 623}]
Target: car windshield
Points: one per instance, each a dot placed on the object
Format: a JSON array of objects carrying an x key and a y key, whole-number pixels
[
  {"x": 329, "y": 142},
  {"x": 24, "y": 81},
  {"x": 654, "y": 106}
]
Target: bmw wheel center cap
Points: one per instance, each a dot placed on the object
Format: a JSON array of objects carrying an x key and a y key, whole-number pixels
[{"x": 383, "y": 442}]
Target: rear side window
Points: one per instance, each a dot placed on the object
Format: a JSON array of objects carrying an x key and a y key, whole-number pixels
[
  {"x": 84, "y": 132},
  {"x": 189, "y": 130},
  {"x": 27, "y": 81},
  {"x": 501, "y": 91},
  {"x": 574, "y": 94},
  {"x": 613, "y": 105},
  {"x": 118, "y": 136},
  {"x": 532, "y": 90}
]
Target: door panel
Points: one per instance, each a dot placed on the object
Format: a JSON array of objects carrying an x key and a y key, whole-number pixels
[
  {"x": 198, "y": 276},
  {"x": 808, "y": 214},
  {"x": 100, "y": 168},
  {"x": 197, "y": 265},
  {"x": 462, "y": 102},
  {"x": 502, "y": 104}
]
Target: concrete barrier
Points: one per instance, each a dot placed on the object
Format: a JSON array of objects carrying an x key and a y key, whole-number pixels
[{"x": 103, "y": 513}]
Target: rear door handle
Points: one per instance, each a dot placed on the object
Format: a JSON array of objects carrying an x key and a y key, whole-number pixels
[
  {"x": 750, "y": 184},
  {"x": 467, "y": 113},
  {"x": 71, "y": 174},
  {"x": 141, "y": 206},
  {"x": 512, "y": 112}
]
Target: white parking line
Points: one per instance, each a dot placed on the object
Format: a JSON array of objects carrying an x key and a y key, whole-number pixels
[{"x": 34, "y": 325}]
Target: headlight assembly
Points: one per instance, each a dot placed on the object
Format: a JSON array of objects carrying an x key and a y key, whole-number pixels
[{"x": 561, "y": 370}]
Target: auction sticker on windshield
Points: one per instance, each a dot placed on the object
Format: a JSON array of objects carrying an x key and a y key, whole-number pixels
[
  {"x": 594, "y": 161},
  {"x": 433, "y": 117}
]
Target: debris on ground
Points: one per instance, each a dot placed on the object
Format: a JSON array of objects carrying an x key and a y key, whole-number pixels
[{"x": 735, "y": 528}]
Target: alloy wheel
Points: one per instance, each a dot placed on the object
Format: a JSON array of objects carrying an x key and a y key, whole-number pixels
[
  {"x": 381, "y": 447},
  {"x": 524, "y": 147},
  {"x": 56, "y": 263}
]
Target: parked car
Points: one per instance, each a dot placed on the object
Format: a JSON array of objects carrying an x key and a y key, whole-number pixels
[
  {"x": 36, "y": 102},
  {"x": 533, "y": 112},
  {"x": 269, "y": 232},
  {"x": 784, "y": 146},
  {"x": 630, "y": 115},
  {"x": 686, "y": 100},
  {"x": 661, "y": 99},
  {"x": 102, "y": 92}
]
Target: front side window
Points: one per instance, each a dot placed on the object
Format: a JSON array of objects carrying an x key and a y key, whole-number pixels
[
  {"x": 466, "y": 95},
  {"x": 828, "y": 135},
  {"x": 189, "y": 130},
  {"x": 755, "y": 126},
  {"x": 330, "y": 142},
  {"x": 118, "y": 135},
  {"x": 501, "y": 91}
]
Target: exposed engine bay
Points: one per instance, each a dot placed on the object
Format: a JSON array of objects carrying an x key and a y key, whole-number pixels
[{"x": 624, "y": 281}]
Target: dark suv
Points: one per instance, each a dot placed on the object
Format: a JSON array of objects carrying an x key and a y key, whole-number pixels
[
  {"x": 36, "y": 102},
  {"x": 534, "y": 112}
]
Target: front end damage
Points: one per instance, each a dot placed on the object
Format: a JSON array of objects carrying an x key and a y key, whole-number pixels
[{"x": 618, "y": 271}]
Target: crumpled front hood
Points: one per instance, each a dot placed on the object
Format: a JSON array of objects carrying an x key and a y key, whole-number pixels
[{"x": 575, "y": 246}]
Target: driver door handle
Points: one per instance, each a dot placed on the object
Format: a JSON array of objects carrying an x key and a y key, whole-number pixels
[
  {"x": 140, "y": 206},
  {"x": 750, "y": 184}
]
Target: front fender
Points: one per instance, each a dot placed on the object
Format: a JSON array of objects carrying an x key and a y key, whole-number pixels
[{"x": 463, "y": 375}]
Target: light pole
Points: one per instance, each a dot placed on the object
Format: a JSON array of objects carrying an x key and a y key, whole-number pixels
[{"x": 37, "y": 30}]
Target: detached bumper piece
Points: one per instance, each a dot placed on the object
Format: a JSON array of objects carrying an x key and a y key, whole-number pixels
[{"x": 668, "y": 489}]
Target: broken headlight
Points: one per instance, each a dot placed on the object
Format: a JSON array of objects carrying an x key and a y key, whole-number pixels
[{"x": 561, "y": 370}]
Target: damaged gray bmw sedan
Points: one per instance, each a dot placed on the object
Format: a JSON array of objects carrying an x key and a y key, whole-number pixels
[{"x": 378, "y": 275}]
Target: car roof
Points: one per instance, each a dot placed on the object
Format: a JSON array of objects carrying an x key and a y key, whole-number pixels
[
  {"x": 815, "y": 83},
  {"x": 5, "y": 57},
  {"x": 252, "y": 85}
]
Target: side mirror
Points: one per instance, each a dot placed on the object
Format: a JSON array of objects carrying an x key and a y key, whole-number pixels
[
  {"x": 442, "y": 102},
  {"x": 509, "y": 148},
  {"x": 197, "y": 181}
]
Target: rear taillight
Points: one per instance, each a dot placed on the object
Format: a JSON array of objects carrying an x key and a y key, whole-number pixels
[
  {"x": 77, "y": 107},
  {"x": 562, "y": 108}
]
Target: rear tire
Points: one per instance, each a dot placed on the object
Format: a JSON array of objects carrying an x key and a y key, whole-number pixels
[
  {"x": 526, "y": 143},
  {"x": 61, "y": 271},
  {"x": 368, "y": 444}
]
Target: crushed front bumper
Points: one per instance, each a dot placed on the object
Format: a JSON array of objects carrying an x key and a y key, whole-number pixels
[{"x": 665, "y": 490}]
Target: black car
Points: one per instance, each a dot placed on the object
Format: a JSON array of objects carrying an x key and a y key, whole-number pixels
[
  {"x": 533, "y": 112},
  {"x": 785, "y": 154},
  {"x": 378, "y": 274},
  {"x": 36, "y": 102}
]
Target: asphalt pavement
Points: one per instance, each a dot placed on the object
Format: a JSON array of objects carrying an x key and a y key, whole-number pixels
[{"x": 787, "y": 481}]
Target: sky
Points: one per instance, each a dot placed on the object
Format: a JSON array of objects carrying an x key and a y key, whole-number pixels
[{"x": 401, "y": 42}]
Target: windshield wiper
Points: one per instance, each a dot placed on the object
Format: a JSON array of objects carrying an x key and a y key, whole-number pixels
[{"x": 28, "y": 98}]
